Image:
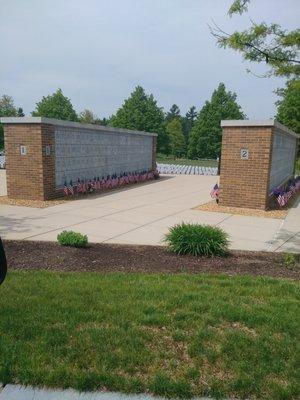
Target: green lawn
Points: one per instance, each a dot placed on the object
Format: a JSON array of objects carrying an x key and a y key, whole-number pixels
[
  {"x": 174, "y": 335},
  {"x": 161, "y": 158}
]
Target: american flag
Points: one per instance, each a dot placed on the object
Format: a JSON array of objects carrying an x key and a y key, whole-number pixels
[
  {"x": 215, "y": 192},
  {"x": 66, "y": 192},
  {"x": 70, "y": 188}
]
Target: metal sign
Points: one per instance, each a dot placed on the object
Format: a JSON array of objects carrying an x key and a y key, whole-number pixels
[
  {"x": 244, "y": 154},
  {"x": 23, "y": 150},
  {"x": 48, "y": 150}
]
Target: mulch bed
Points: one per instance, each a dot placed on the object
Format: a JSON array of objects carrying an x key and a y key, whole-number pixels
[
  {"x": 32, "y": 255},
  {"x": 212, "y": 206}
]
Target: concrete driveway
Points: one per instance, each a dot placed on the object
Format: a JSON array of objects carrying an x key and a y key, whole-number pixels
[{"x": 142, "y": 214}]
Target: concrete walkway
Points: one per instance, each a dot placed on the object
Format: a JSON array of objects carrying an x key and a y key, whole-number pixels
[
  {"x": 17, "y": 392},
  {"x": 142, "y": 214}
]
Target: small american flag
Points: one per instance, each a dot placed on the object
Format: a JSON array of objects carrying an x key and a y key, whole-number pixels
[
  {"x": 215, "y": 192},
  {"x": 66, "y": 192},
  {"x": 70, "y": 188}
]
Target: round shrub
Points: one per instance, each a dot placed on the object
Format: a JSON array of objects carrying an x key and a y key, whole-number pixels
[
  {"x": 199, "y": 240},
  {"x": 74, "y": 239}
]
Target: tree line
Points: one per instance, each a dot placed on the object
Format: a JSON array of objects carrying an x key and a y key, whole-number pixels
[{"x": 197, "y": 134}]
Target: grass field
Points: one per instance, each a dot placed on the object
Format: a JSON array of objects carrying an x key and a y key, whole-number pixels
[
  {"x": 161, "y": 158},
  {"x": 174, "y": 335}
]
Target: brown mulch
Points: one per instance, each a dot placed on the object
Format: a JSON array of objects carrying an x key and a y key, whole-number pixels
[
  {"x": 29, "y": 255},
  {"x": 281, "y": 213},
  {"x": 212, "y": 206},
  {"x": 31, "y": 203}
]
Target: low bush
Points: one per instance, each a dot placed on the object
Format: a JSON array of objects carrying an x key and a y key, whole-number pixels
[
  {"x": 199, "y": 240},
  {"x": 290, "y": 260},
  {"x": 74, "y": 239}
]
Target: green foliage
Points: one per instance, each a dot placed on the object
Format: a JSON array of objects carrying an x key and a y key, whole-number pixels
[
  {"x": 198, "y": 240},
  {"x": 7, "y": 109},
  {"x": 73, "y": 239},
  {"x": 56, "y": 106},
  {"x": 176, "y": 138},
  {"x": 169, "y": 159},
  {"x": 141, "y": 112},
  {"x": 87, "y": 117},
  {"x": 206, "y": 136},
  {"x": 263, "y": 42},
  {"x": 174, "y": 112},
  {"x": 290, "y": 260},
  {"x": 288, "y": 108},
  {"x": 188, "y": 123}
]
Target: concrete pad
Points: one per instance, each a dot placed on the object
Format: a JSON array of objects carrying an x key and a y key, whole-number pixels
[
  {"x": 142, "y": 214},
  {"x": 150, "y": 235},
  {"x": 247, "y": 244},
  {"x": 191, "y": 216},
  {"x": 18, "y": 392}
]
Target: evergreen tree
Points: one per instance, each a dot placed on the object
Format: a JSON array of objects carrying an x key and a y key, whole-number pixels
[
  {"x": 57, "y": 106},
  {"x": 206, "y": 135},
  {"x": 188, "y": 122},
  {"x": 288, "y": 108},
  {"x": 176, "y": 138},
  {"x": 20, "y": 112},
  {"x": 141, "y": 112},
  {"x": 174, "y": 112}
]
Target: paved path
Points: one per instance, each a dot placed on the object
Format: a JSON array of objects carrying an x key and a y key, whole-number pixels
[
  {"x": 17, "y": 392},
  {"x": 142, "y": 214}
]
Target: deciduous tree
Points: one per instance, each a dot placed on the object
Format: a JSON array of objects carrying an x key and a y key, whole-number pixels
[
  {"x": 87, "y": 117},
  {"x": 288, "y": 107},
  {"x": 262, "y": 42},
  {"x": 7, "y": 109},
  {"x": 176, "y": 138},
  {"x": 56, "y": 105}
]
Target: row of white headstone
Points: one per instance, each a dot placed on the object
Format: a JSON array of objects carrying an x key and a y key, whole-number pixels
[
  {"x": 2, "y": 161},
  {"x": 186, "y": 169}
]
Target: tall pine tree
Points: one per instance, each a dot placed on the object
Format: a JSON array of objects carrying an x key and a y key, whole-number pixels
[
  {"x": 141, "y": 112},
  {"x": 206, "y": 135},
  {"x": 188, "y": 122},
  {"x": 174, "y": 112}
]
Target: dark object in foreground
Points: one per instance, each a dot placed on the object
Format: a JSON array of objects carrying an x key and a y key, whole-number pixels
[
  {"x": 104, "y": 257},
  {"x": 3, "y": 263}
]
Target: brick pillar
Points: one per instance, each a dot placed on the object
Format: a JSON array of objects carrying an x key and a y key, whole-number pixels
[
  {"x": 245, "y": 166},
  {"x": 30, "y": 175}
]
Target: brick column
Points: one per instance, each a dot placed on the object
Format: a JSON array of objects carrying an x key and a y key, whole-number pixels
[
  {"x": 244, "y": 177},
  {"x": 30, "y": 175}
]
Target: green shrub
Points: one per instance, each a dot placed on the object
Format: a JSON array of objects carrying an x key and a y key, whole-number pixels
[
  {"x": 197, "y": 240},
  {"x": 74, "y": 239},
  {"x": 290, "y": 260}
]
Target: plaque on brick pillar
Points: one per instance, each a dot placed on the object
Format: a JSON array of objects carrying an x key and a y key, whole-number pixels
[
  {"x": 244, "y": 154},
  {"x": 23, "y": 150}
]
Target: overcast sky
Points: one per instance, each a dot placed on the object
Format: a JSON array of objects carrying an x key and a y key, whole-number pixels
[{"x": 97, "y": 51}]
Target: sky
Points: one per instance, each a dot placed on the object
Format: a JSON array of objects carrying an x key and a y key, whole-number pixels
[{"x": 97, "y": 51}]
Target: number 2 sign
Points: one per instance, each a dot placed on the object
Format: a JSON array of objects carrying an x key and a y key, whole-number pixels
[{"x": 244, "y": 154}]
